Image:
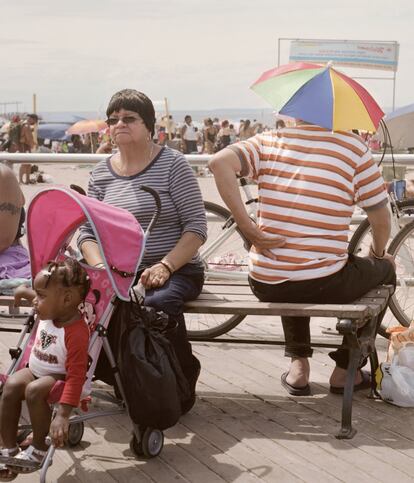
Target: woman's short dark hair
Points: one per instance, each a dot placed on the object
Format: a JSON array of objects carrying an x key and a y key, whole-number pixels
[{"x": 133, "y": 100}]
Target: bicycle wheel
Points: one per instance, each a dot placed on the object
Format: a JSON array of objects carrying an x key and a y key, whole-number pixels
[
  {"x": 402, "y": 301},
  {"x": 362, "y": 238},
  {"x": 225, "y": 257},
  {"x": 359, "y": 245}
]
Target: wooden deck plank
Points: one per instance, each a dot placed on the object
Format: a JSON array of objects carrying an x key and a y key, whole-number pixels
[
  {"x": 250, "y": 459},
  {"x": 220, "y": 462},
  {"x": 245, "y": 427},
  {"x": 297, "y": 428},
  {"x": 382, "y": 471}
]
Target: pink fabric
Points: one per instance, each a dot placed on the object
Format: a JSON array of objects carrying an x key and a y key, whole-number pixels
[{"x": 55, "y": 213}]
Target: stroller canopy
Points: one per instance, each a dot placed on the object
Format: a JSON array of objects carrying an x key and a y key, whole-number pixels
[{"x": 53, "y": 216}]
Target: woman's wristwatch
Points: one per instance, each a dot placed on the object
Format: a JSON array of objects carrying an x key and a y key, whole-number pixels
[{"x": 375, "y": 255}]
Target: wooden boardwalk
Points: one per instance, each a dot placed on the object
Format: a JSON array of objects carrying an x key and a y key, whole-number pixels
[{"x": 246, "y": 428}]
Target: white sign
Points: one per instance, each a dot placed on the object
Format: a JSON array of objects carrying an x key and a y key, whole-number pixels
[{"x": 366, "y": 55}]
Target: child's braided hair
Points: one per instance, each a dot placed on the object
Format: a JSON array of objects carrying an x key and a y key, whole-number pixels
[{"x": 69, "y": 273}]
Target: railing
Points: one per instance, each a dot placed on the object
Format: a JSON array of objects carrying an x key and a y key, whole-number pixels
[{"x": 196, "y": 160}]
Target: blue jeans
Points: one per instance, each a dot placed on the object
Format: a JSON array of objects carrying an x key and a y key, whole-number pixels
[{"x": 185, "y": 284}]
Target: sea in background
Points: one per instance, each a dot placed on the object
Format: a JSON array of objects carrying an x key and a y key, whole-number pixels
[{"x": 265, "y": 116}]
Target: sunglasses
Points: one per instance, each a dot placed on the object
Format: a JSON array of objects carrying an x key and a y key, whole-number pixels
[{"x": 112, "y": 121}]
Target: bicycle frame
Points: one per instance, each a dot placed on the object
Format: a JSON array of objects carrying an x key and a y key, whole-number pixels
[{"x": 228, "y": 228}]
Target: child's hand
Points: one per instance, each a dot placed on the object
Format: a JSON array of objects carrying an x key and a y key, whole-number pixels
[{"x": 59, "y": 430}]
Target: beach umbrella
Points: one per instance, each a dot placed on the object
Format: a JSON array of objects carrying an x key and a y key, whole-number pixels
[
  {"x": 87, "y": 126},
  {"x": 54, "y": 131},
  {"x": 60, "y": 117},
  {"x": 320, "y": 95},
  {"x": 400, "y": 124}
]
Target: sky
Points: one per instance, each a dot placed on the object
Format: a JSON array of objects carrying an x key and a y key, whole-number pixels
[{"x": 199, "y": 54}]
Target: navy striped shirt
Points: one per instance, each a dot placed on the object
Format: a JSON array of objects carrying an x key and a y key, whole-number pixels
[{"x": 182, "y": 205}]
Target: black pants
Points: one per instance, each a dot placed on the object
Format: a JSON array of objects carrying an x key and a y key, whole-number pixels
[
  {"x": 190, "y": 147},
  {"x": 357, "y": 277}
]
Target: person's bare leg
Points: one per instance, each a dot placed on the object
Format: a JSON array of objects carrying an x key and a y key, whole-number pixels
[
  {"x": 27, "y": 171},
  {"x": 299, "y": 371},
  {"x": 21, "y": 171},
  {"x": 338, "y": 377},
  {"x": 39, "y": 409},
  {"x": 11, "y": 405}
]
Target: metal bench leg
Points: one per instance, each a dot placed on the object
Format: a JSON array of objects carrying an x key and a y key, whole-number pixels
[
  {"x": 347, "y": 431},
  {"x": 374, "y": 364}
]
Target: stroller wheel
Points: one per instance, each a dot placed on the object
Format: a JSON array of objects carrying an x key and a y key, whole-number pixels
[
  {"x": 135, "y": 446},
  {"x": 75, "y": 433},
  {"x": 152, "y": 442}
]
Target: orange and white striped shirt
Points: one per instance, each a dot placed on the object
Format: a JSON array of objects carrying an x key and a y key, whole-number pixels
[{"x": 309, "y": 180}]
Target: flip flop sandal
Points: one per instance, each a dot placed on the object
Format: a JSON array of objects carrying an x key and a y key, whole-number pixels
[
  {"x": 293, "y": 390},
  {"x": 28, "y": 460},
  {"x": 6, "y": 474},
  {"x": 364, "y": 384}
]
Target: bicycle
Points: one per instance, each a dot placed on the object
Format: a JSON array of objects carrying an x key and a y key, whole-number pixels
[
  {"x": 402, "y": 229},
  {"x": 226, "y": 259}
]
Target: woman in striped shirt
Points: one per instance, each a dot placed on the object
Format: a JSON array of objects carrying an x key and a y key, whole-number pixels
[
  {"x": 172, "y": 272},
  {"x": 309, "y": 181}
]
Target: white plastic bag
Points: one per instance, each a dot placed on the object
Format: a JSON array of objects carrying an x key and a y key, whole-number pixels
[
  {"x": 395, "y": 381},
  {"x": 406, "y": 356}
]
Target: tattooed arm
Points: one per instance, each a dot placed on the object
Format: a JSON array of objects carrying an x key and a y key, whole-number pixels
[{"x": 11, "y": 203}]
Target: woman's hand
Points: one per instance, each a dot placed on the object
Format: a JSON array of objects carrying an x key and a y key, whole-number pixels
[{"x": 155, "y": 276}]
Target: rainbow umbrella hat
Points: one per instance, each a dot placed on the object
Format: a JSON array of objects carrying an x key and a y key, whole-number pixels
[{"x": 320, "y": 95}]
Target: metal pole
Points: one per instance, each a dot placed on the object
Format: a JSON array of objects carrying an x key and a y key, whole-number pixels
[
  {"x": 393, "y": 91},
  {"x": 278, "y": 52},
  {"x": 167, "y": 113}
]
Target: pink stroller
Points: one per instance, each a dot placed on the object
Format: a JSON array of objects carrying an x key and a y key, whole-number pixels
[{"x": 53, "y": 217}]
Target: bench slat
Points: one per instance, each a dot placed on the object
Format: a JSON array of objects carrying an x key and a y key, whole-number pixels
[
  {"x": 351, "y": 311},
  {"x": 8, "y": 301}
]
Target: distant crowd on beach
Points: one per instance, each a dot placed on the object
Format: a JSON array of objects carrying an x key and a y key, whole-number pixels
[
  {"x": 209, "y": 138},
  {"x": 20, "y": 135},
  {"x": 187, "y": 136}
]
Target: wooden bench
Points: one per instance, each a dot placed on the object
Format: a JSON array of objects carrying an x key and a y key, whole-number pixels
[
  {"x": 357, "y": 322},
  {"x": 11, "y": 317}
]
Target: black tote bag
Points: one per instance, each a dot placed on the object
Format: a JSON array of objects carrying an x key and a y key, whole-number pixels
[{"x": 151, "y": 375}]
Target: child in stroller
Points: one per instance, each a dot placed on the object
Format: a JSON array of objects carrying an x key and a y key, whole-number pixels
[{"x": 60, "y": 352}]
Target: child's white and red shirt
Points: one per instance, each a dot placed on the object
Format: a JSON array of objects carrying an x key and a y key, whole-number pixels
[{"x": 62, "y": 350}]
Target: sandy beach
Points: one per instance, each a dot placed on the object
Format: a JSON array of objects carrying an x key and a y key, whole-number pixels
[{"x": 67, "y": 174}]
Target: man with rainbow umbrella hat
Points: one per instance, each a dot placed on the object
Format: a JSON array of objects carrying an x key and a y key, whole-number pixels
[{"x": 310, "y": 177}]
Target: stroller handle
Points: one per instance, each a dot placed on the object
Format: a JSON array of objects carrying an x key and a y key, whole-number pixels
[{"x": 157, "y": 211}]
